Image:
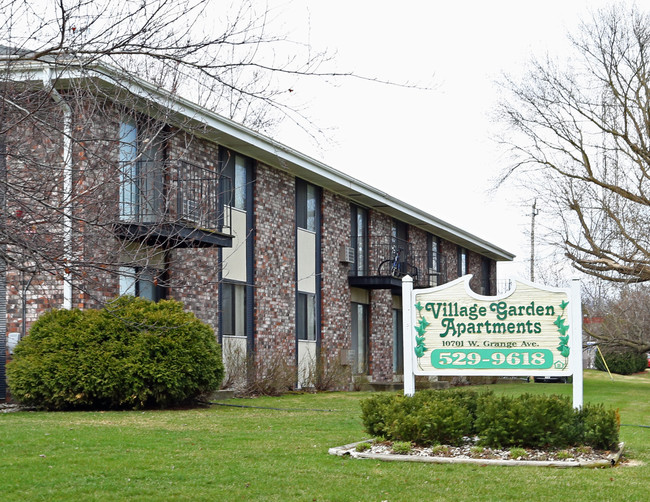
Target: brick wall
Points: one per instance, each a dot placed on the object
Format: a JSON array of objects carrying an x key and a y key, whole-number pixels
[
  {"x": 275, "y": 265},
  {"x": 381, "y": 335},
  {"x": 379, "y": 231},
  {"x": 193, "y": 280},
  {"x": 474, "y": 268},
  {"x": 381, "y": 323},
  {"x": 450, "y": 252},
  {"x": 194, "y": 273},
  {"x": 336, "y": 318},
  {"x": 96, "y": 175},
  {"x": 34, "y": 176},
  {"x": 418, "y": 240}
]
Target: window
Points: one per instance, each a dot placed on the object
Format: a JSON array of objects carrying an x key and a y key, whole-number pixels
[
  {"x": 398, "y": 342},
  {"x": 399, "y": 242},
  {"x": 359, "y": 241},
  {"x": 233, "y": 309},
  {"x": 141, "y": 173},
  {"x": 236, "y": 170},
  {"x": 306, "y": 205},
  {"x": 240, "y": 181},
  {"x": 306, "y": 316},
  {"x": 399, "y": 232},
  {"x": 360, "y": 339},
  {"x": 433, "y": 259},
  {"x": 128, "y": 171},
  {"x": 142, "y": 282},
  {"x": 463, "y": 262},
  {"x": 486, "y": 289}
]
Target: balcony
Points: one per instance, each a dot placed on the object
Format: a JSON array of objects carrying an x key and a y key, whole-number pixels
[
  {"x": 384, "y": 264},
  {"x": 174, "y": 205}
]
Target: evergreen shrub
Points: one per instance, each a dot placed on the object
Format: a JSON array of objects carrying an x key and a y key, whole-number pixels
[
  {"x": 622, "y": 362},
  {"x": 427, "y": 418},
  {"x": 527, "y": 421},
  {"x": 131, "y": 354}
]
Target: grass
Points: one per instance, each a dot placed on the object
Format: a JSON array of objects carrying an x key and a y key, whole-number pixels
[{"x": 228, "y": 453}]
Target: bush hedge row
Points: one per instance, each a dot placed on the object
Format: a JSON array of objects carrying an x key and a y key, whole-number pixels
[
  {"x": 622, "y": 362},
  {"x": 529, "y": 421},
  {"x": 132, "y": 354}
]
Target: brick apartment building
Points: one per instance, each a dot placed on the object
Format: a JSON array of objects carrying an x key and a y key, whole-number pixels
[{"x": 125, "y": 189}]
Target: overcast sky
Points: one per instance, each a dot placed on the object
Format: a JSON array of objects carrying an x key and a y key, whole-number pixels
[{"x": 431, "y": 148}]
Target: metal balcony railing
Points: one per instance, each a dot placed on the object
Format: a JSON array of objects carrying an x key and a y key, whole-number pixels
[
  {"x": 393, "y": 258},
  {"x": 201, "y": 197},
  {"x": 175, "y": 192}
]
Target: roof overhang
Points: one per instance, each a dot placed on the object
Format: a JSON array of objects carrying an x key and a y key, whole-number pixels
[{"x": 223, "y": 131}]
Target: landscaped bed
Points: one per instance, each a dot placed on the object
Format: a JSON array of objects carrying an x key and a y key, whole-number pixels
[
  {"x": 468, "y": 426},
  {"x": 470, "y": 453}
]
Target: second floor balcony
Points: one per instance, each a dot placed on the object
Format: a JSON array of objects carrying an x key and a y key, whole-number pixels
[
  {"x": 174, "y": 204},
  {"x": 383, "y": 264}
]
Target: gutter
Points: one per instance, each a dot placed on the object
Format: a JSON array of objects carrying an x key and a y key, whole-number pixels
[{"x": 67, "y": 187}]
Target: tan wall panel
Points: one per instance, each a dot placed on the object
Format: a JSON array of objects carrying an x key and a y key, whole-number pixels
[
  {"x": 234, "y": 258},
  {"x": 360, "y": 295},
  {"x": 306, "y": 360},
  {"x": 306, "y": 261}
]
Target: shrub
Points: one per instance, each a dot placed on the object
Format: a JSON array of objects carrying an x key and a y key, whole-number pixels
[
  {"x": 271, "y": 376},
  {"x": 518, "y": 453},
  {"x": 326, "y": 373},
  {"x": 374, "y": 411},
  {"x": 402, "y": 447},
  {"x": 600, "y": 426},
  {"x": 132, "y": 354},
  {"x": 463, "y": 396},
  {"x": 540, "y": 421},
  {"x": 623, "y": 362},
  {"x": 429, "y": 417},
  {"x": 435, "y": 421},
  {"x": 527, "y": 421}
]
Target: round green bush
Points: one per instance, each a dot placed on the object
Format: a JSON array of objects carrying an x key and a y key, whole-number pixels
[
  {"x": 132, "y": 354},
  {"x": 622, "y": 362}
]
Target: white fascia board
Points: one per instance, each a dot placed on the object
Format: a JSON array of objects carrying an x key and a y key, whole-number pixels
[{"x": 233, "y": 135}]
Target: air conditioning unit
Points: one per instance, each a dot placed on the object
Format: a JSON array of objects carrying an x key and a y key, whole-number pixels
[{"x": 346, "y": 254}]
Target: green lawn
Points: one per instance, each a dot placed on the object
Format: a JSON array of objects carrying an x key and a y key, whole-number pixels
[{"x": 227, "y": 453}]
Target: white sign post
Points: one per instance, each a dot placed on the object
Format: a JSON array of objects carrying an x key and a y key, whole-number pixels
[
  {"x": 532, "y": 330},
  {"x": 407, "y": 319}
]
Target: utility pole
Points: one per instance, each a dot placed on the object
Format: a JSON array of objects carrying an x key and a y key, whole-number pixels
[{"x": 534, "y": 213}]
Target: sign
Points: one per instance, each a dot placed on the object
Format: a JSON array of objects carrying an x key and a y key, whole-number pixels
[{"x": 532, "y": 330}]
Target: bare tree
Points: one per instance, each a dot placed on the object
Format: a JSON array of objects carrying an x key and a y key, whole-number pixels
[
  {"x": 225, "y": 57},
  {"x": 579, "y": 131},
  {"x": 625, "y": 320},
  {"x": 83, "y": 194}
]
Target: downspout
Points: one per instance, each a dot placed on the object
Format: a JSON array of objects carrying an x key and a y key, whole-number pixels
[{"x": 67, "y": 188}]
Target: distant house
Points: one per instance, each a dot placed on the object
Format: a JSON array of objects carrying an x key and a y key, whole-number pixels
[{"x": 152, "y": 195}]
